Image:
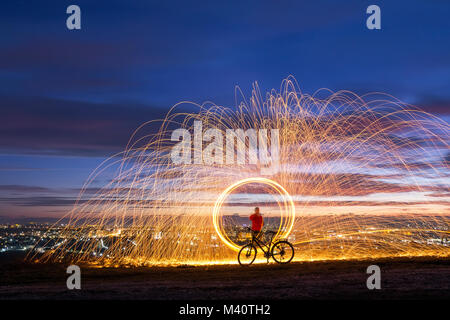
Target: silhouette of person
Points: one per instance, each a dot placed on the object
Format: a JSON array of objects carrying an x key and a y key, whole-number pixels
[{"x": 257, "y": 222}]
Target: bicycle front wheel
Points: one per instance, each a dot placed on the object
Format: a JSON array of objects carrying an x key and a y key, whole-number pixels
[
  {"x": 282, "y": 252},
  {"x": 247, "y": 255}
]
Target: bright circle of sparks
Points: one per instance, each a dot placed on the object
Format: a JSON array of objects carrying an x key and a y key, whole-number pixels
[{"x": 287, "y": 202}]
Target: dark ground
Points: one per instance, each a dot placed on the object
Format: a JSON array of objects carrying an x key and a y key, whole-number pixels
[{"x": 401, "y": 278}]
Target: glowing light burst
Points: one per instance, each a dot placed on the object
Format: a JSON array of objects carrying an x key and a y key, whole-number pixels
[
  {"x": 358, "y": 177},
  {"x": 287, "y": 215}
]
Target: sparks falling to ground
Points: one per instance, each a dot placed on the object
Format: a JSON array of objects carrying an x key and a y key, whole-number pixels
[{"x": 357, "y": 177}]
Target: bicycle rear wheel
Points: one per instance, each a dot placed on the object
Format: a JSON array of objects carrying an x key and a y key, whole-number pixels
[
  {"x": 282, "y": 251},
  {"x": 247, "y": 255}
]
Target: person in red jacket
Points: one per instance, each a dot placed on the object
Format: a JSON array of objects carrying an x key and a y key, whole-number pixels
[{"x": 257, "y": 222}]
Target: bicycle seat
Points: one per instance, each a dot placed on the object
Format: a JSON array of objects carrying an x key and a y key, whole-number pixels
[{"x": 270, "y": 232}]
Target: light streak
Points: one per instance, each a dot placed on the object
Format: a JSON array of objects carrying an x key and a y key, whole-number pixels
[
  {"x": 370, "y": 169},
  {"x": 287, "y": 217}
]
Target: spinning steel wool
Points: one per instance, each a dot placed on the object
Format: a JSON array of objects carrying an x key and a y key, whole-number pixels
[{"x": 350, "y": 177}]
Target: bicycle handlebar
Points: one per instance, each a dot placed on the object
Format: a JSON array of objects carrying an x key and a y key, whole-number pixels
[{"x": 268, "y": 231}]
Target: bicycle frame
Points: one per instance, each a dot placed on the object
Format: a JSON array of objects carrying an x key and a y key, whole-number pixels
[{"x": 262, "y": 245}]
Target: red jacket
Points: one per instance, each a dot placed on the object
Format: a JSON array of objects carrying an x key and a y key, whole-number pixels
[{"x": 257, "y": 222}]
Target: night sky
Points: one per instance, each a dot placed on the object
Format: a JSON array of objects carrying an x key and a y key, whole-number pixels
[{"x": 71, "y": 98}]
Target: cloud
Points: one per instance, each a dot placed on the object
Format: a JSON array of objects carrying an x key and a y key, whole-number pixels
[
  {"x": 446, "y": 160},
  {"x": 23, "y": 188},
  {"x": 436, "y": 106},
  {"x": 22, "y": 169},
  {"x": 51, "y": 126},
  {"x": 41, "y": 201}
]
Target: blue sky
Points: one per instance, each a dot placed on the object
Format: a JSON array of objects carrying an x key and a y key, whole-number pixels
[{"x": 71, "y": 98}]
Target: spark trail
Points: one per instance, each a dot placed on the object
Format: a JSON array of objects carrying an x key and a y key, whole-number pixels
[{"x": 367, "y": 176}]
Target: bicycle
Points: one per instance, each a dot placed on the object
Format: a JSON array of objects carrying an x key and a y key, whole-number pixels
[{"x": 281, "y": 251}]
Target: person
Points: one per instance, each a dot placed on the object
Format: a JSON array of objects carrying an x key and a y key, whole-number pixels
[{"x": 257, "y": 222}]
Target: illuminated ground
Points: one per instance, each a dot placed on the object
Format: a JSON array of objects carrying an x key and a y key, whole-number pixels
[{"x": 401, "y": 279}]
